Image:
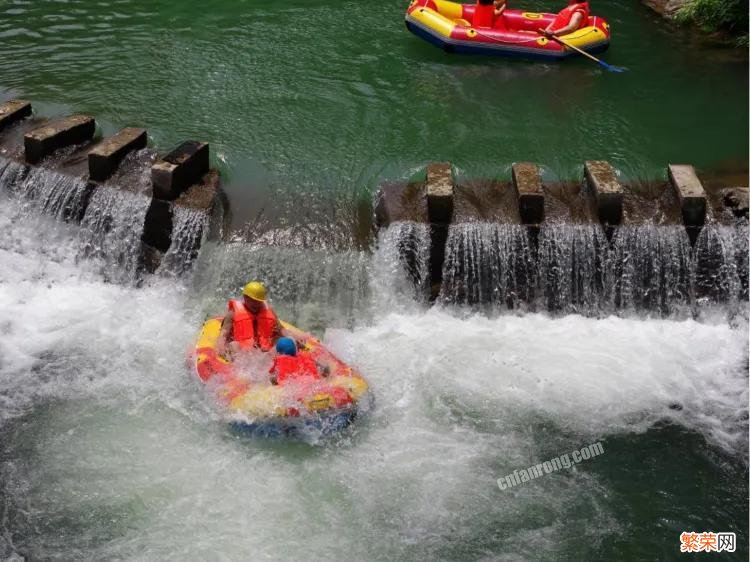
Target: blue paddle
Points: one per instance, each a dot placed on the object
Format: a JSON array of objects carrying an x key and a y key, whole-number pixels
[{"x": 609, "y": 67}]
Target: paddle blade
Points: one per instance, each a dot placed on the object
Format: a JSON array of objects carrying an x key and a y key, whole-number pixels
[{"x": 612, "y": 68}]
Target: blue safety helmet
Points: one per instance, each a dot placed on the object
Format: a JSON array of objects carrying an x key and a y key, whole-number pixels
[{"x": 286, "y": 346}]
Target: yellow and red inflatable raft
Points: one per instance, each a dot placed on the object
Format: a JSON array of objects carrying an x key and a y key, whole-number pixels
[
  {"x": 515, "y": 33},
  {"x": 255, "y": 406}
]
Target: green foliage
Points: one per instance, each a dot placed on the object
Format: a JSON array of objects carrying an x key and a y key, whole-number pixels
[{"x": 726, "y": 15}]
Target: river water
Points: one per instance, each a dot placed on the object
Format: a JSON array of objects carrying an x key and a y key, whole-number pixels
[
  {"x": 326, "y": 98},
  {"x": 111, "y": 450}
]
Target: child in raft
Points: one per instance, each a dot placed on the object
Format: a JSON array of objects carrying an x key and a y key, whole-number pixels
[
  {"x": 301, "y": 370},
  {"x": 292, "y": 365}
]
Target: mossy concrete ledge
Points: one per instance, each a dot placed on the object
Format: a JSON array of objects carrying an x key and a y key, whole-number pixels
[
  {"x": 58, "y": 134},
  {"x": 105, "y": 157},
  {"x": 608, "y": 193},
  {"x": 179, "y": 169},
  {"x": 527, "y": 182},
  {"x": 401, "y": 201},
  {"x": 13, "y": 111},
  {"x": 690, "y": 193}
]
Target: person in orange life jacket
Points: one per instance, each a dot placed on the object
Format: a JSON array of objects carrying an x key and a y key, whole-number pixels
[
  {"x": 291, "y": 365},
  {"x": 574, "y": 16},
  {"x": 249, "y": 322}
]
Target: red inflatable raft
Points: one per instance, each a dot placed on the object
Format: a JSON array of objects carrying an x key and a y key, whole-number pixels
[
  {"x": 252, "y": 404},
  {"x": 515, "y": 33}
]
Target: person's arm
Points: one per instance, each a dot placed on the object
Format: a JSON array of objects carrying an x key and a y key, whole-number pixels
[
  {"x": 500, "y": 6},
  {"x": 272, "y": 373},
  {"x": 226, "y": 332},
  {"x": 575, "y": 22}
]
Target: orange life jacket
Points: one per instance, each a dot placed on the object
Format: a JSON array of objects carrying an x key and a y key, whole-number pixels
[
  {"x": 566, "y": 15},
  {"x": 484, "y": 14},
  {"x": 286, "y": 367},
  {"x": 253, "y": 330}
]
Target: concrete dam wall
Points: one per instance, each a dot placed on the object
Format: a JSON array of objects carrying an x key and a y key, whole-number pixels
[
  {"x": 591, "y": 245},
  {"x": 156, "y": 207},
  {"x": 594, "y": 244}
]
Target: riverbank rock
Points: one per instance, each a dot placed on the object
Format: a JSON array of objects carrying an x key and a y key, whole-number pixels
[
  {"x": 667, "y": 8},
  {"x": 737, "y": 199}
]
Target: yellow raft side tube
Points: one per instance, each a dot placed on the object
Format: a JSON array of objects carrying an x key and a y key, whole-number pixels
[
  {"x": 261, "y": 401},
  {"x": 205, "y": 348},
  {"x": 210, "y": 333},
  {"x": 451, "y": 10},
  {"x": 437, "y": 22},
  {"x": 584, "y": 37}
]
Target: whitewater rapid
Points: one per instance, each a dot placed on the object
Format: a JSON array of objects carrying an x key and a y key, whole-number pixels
[{"x": 110, "y": 449}]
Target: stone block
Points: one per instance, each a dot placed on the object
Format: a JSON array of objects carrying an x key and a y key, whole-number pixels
[
  {"x": 607, "y": 191},
  {"x": 179, "y": 169},
  {"x": 528, "y": 185},
  {"x": 107, "y": 155},
  {"x": 12, "y": 111},
  {"x": 439, "y": 188},
  {"x": 157, "y": 227},
  {"x": 58, "y": 134},
  {"x": 690, "y": 193}
]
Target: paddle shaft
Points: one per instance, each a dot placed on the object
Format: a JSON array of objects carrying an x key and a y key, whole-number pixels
[{"x": 584, "y": 53}]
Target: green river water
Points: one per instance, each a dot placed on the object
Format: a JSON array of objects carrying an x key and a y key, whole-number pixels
[
  {"x": 110, "y": 450},
  {"x": 321, "y": 97}
]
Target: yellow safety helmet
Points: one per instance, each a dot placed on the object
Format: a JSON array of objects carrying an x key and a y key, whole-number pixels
[{"x": 255, "y": 290}]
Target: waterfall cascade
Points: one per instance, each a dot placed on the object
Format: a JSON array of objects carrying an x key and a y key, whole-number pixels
[
  {"x": 111, "y": 219},
  {"x": 649, "y": 268},
  {"x": 401, "y": 261},
  {"x": 570, "y": 265},
  {"x": 62, "y": 196},
  {"x": 574, "y": 268},
  {"x": 111, "y": 230},
  {"x": 488, "y": 264},
  {"x": 561, "y": 266},
  {"x": 11, "y": 173},
  {"x": 323, "y": 287},
  {"x": 189, "y": 228}
]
